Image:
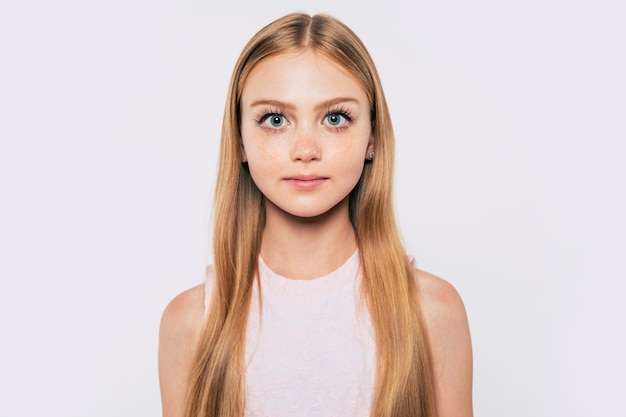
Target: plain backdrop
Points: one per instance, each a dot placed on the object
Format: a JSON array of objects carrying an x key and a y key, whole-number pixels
[{"x": 510, "y": 183}]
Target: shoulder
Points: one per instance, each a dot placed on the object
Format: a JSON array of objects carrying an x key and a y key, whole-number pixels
[
  {"x": 183, "y": 314},
  {"x": 181, "y": 325},
  {"x": 451, "y": 350},
  {"x": 440, "y": 300}
]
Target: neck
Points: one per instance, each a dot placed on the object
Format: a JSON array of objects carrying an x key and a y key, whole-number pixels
[{"x": 306, "y": 248}]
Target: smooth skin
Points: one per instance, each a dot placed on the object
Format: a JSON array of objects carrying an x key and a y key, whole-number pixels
[{"x": 306, "y": 134}]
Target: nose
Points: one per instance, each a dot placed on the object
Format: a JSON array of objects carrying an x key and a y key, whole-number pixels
[{"x": 304, "y": 145}]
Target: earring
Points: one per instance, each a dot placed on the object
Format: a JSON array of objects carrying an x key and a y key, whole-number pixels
[{"x": 371, "y": 155}]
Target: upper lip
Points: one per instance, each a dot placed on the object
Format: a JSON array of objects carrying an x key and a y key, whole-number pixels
[{"x": 306, "y": 177}]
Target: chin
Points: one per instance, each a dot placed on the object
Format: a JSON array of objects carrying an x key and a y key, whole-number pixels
[
  {"x": 316, "y": 213},
  {"x": 307, "y": 210},
  {"x": 307, "y": 214}
]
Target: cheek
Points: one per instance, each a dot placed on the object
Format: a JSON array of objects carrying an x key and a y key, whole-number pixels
[
  {"x": 262, "y": 154},
  {"x": 263, "y": 162},
  {"x": 355, "y": 169},
  {"x": 351, "y": 151},
  {"x": 349, "y": 162},
  {"x": 257, "y": 146}
]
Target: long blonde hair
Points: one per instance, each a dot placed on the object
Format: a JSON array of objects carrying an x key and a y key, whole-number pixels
[{"x": 404, "y": 385}]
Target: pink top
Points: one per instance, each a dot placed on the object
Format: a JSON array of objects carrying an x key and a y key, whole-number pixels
[{"x": 313, "y": 352}]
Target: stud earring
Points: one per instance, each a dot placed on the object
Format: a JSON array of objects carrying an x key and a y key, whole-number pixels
[{"x": 371, "y": 155}]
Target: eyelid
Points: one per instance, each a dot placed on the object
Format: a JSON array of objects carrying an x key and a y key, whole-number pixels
[
  {"x": 266, "y": 112},
  {"x": 340, "y": 109}
]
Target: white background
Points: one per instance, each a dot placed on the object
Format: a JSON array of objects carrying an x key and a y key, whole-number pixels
[{"x": 510, "y": 120}]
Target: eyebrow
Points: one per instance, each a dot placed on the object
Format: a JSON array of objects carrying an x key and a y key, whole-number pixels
[{"x": 289, "y": 106}]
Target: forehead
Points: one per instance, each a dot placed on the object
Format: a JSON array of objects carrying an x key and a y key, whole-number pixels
[{"x": 298, "y": 74}]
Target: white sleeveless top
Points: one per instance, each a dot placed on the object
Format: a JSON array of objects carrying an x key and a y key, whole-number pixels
[{"x": 311, "y": 352}]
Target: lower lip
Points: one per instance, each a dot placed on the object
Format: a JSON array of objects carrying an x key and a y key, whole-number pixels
[{"x": 306, "y": 184}]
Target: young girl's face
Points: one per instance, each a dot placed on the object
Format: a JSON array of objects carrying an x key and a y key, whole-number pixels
[{"x": 305, "y": 132}]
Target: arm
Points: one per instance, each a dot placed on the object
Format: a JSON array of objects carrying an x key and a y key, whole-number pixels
[
  {"x": 451, "y": 347},
  {"x": 181, "y": 324}
]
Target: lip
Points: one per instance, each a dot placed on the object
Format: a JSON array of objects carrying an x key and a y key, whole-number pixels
[{"x": 306, "y": 182}]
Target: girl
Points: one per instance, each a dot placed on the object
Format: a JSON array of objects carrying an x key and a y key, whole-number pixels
[{"x": 312, "y": 307}]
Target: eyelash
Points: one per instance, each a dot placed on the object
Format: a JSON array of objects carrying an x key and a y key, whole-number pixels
[
  {"x": 265, "y": 113},
  {"x": 342, "y": 111}
]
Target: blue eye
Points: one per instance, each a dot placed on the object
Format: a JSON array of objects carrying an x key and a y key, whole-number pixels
[
  {"x": 338, "y": 118},
  {"x": 275, "y": 120},
  {"x": 335, "y": 119}
]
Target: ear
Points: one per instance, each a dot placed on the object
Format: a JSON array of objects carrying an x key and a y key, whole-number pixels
[{"x": 370, "y": 148}]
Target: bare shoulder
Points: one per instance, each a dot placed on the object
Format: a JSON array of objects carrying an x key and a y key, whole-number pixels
[
  {"x": 451, "y": 348},
  {"x": 181, "y": 324},
  {"x": 440, "y": 300},
  {"x": 184, "y": 313}
]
